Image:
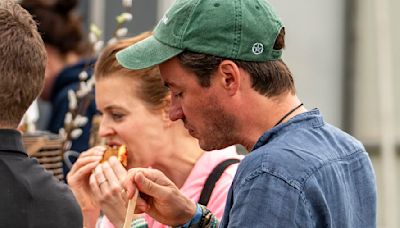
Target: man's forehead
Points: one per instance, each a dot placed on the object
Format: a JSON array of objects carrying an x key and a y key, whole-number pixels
[
  {"x": 170, "y": 75},
  {"x": 174, "y": 75}
]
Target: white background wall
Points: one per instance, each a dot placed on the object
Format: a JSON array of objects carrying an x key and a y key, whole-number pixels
[{"x": 377, "y": 89}]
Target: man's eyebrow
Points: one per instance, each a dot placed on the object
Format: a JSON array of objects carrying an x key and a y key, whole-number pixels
[{"x": 169, "y": 84}]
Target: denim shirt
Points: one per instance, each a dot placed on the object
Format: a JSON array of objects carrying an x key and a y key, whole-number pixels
[{"x": 303, "y": 173}]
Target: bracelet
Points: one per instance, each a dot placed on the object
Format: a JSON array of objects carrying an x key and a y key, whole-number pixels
[
  {"x": 208, "y": 220},
  {"x": 203, "y": 218},
  {"x": 195, "y": 219}
]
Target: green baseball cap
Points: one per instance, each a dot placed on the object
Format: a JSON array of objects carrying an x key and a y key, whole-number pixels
[{"x": 234, "y": 29}]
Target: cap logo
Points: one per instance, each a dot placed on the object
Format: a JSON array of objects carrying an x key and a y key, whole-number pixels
[
  {"x": 258, "y": 48},
  {"x": 164, "y": 19}
]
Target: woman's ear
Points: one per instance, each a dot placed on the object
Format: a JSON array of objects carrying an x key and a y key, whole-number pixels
[{"x": 229, "y": 76}]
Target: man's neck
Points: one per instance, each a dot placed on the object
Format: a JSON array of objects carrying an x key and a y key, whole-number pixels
[{"x": 264, "y": 113}]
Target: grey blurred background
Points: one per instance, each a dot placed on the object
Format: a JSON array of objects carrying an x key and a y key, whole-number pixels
[{"x": 345, "y": 61}]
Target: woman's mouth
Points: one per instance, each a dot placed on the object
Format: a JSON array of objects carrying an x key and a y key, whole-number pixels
[{"x": 113, "y": 144}]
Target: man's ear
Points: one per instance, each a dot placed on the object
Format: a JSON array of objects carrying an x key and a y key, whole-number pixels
[{"x": 230, "y": 76}]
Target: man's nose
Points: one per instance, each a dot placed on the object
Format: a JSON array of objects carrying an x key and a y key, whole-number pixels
[{"x": 175, "y": 112}]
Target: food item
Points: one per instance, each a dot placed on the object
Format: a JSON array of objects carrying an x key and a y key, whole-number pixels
[{"x": 118, "y": 151}]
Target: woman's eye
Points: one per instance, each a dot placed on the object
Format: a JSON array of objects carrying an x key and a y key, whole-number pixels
[{"x": 117, "y": 116}]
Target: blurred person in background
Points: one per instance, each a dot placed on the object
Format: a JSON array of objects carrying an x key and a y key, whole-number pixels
[
  {"x": 68, "y": 55},
  {"x": 29, "y": 195},
  {"x": 134, "y": 107}
]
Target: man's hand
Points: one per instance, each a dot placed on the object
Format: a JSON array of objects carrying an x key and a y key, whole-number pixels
[{"x": 159, "y": 197}]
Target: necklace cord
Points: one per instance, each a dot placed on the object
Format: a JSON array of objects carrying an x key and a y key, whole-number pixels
[{"x": 287, "y": 114}]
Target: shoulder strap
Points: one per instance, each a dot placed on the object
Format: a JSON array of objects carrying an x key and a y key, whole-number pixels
[{"x": 213, "y": 178}]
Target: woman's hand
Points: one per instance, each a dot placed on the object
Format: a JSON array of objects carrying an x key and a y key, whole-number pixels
[
  {"x": 105, "y": 183},
  {"x": 78, "y": 180}
]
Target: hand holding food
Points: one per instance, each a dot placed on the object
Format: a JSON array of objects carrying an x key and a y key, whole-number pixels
[
  {"x": 78, "y": 180},
  {"x": 105, "y": 184},
  {"x": 163, "y": 201}
]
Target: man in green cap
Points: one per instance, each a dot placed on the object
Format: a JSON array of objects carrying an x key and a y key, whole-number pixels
[{"x": 222, "y": 61}]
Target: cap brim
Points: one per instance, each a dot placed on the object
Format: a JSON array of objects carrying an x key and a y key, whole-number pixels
[{"x": 146, "y": 53}]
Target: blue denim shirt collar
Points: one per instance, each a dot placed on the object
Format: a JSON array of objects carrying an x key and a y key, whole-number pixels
[{"x": 310, "y": 118}]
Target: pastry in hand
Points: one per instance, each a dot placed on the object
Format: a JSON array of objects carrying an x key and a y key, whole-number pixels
[{"x": 118, "y": 151}]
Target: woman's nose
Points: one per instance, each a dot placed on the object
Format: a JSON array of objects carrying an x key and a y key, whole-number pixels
[{"x": 104, "y": 129}]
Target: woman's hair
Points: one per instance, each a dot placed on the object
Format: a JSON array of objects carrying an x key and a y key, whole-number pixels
[
  {"x": 150, "y": 87},
  {"x": 59, "y": 26},
  {"x": 270, "y": 78}
]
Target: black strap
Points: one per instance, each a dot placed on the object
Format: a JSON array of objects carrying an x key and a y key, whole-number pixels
[{"x": 213, "y": 178}]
